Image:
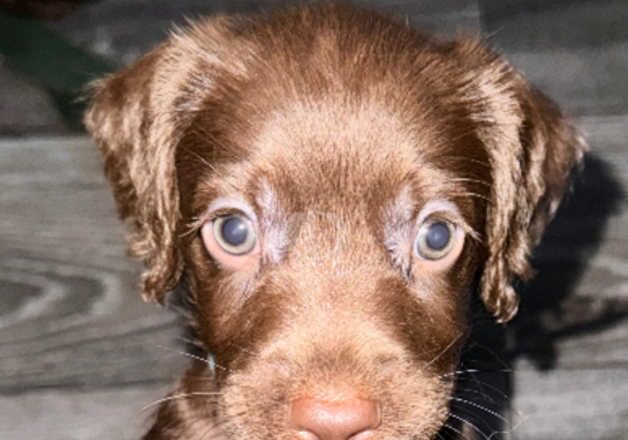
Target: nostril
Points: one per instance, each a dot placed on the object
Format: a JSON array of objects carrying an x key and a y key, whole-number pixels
[
  {"x": 307, "y": 435},
  {"x": 350, "y": 419}
]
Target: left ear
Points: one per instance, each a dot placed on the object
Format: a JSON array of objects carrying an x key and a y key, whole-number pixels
[
  {"x": 533, "y": 150},
  {"x": 138, "y": 117}
]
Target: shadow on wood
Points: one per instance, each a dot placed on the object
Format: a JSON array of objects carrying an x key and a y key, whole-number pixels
[{"x": 549, "y": 313}]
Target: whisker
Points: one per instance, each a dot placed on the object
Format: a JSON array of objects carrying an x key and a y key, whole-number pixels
[
  {"x": 459, "y": 372},
  {"x": 475, "y": 370},
  {"x": 444, "y": 350},
  {"x": 472, "y": 425},
  {"x": 480, "y": 407},
  {"x": 482, "y": 394},
  {"x": 193, "y": 342},
  {"x": 474, "y": 344},
  {"x": 191, "y": 356},
  {"x": 482, "y": 383},
  {"x": 456, "y": 430},
  {"x": 188, "y": 340},
  {"x": 181, "y": 396}
]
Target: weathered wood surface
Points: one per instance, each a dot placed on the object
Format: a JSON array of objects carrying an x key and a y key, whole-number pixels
[
  {"x": 73, "y": 333},
  {"x": 67, "y": 288},
  {"x": 98, "y": 28},
  {"x": 121, "y": 30},
  {"x": 72, "y": 414},
  {"x": 575, "y": 50}
]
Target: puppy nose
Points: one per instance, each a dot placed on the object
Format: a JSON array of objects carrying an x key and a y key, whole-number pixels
[{"x": 351, "y": 419}]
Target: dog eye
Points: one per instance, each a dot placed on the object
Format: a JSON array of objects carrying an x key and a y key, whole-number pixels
[
  {"x": 435, "y": 239},
  {"x": 234, "y": 234}
]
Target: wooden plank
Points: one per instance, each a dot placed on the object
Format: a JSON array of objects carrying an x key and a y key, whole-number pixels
[
  {"x": 70, "y": 312},
  {"x": 576, "y": 51},
  {"x": 444, "y": 17},
  {"x": 115, "y": 414},
  {"x": 559, "y": 24},
  {"x": 585, "y": 81},
  {"x": 120, "y": 30},
  {"x": 146, "y": 23},
  {"x": 568, "y": 405}
]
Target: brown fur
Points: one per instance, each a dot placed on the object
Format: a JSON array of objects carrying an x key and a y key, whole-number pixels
[{"x": 335, "y": 123}]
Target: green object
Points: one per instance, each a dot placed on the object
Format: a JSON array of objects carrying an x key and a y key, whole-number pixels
[{"x": 46, "y": 58}]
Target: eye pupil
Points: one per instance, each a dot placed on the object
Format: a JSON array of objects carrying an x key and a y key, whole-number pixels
[
  {"x": 234, "y": 234},
  {"x": 234, "y": 231},
  {"x": 438, "y": 236}
]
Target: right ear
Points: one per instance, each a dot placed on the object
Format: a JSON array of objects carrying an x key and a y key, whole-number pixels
[
  {"x": 533, "y": 150},
  {"x": 137, "y": 117}
]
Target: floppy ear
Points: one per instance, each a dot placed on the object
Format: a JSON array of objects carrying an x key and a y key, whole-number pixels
[
  {"x": 137, "y": 117},
  {"x": 533, "y": 150}
]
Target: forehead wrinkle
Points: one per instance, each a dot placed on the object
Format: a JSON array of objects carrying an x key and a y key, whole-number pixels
[
  {"x": 311, "y": 133},
  {"x": 273, "y": 221},
  {"x": 342, "y": 244},
  {"x": 420, "y": 180}
]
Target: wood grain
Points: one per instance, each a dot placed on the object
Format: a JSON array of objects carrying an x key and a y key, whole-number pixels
[
  {"x": 96, "y": 414},
  {"x": 577, "y": 51},
  {"x": 70, "y": 312}
]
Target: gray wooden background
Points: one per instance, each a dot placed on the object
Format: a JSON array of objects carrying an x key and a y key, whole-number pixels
[{"x": 81, "y": 356}]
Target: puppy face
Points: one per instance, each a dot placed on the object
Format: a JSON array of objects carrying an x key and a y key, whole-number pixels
[
  {"x": 343, "y": 207},
  {"x": 332, "y": 186}
]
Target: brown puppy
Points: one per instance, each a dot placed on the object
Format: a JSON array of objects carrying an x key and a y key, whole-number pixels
[{"x": 327, "y": 184}]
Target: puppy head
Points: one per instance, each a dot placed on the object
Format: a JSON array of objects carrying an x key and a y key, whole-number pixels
[{"x": 332, "y": 184}]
